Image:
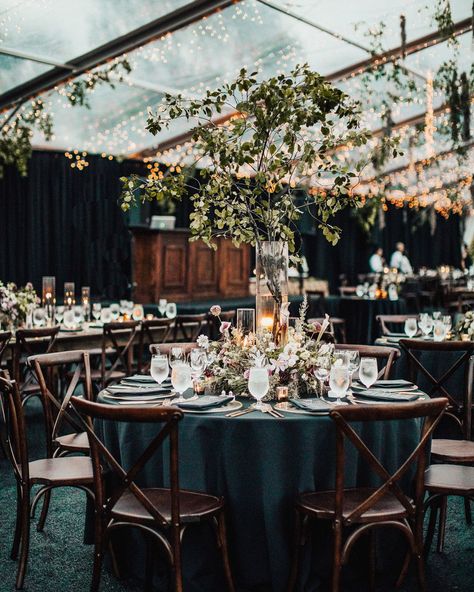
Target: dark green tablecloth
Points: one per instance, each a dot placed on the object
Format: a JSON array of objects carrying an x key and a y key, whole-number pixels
[{"x": 260, "y": 464}]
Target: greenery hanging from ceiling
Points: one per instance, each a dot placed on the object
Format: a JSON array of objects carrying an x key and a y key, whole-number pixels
[{"x": 20, "y": 123}]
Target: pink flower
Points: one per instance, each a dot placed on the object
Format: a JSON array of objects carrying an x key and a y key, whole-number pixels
[
  {"x": 215, "y": 310},
  {"x": 225, "y": 326},
  {"x": 316, "y": 326}
]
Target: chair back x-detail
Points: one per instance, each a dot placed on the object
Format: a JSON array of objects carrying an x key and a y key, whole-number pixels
[
  {"x": 460, "y": 404},
  {"x": 165, "y": 348},
  {"x": 389, "y": 322},
  {"x": 387, "y": 355},
  {"x": 187, "y": 327},
  {"x": 50, "y": 370},
  {"x": 119, "y": 356},
  {"x": 48, "y": 473},
  {"x": 366, "y": 508},
  {"x": 152, "y": 331},
  {"x": 27, "y": 343},
  {"x": 5, "y": 337},
  {"x": 164, "y": 513}
]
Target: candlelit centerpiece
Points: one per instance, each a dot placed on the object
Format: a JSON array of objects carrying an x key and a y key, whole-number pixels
[
  {"x": 15, "y": 304},
  {"x": 292, "y": 364}
]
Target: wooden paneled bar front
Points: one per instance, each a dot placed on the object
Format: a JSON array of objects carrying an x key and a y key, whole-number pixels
[{"x": 165, "y": 264}]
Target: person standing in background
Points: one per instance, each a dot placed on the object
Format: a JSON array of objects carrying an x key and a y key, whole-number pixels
[
  {"x": 400, "y": 261},
  {"x": 376, "y": 261}
]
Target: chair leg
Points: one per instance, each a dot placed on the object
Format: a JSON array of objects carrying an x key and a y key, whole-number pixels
[
  {"x": 222, "y": 542},
  {"x": 442, "y": 523},
  {"x": 98, "y": 552},
  {"x": 431, "y": 526},
  {"x": 25, "y": 539},
  {"x": 297, "y": 543},
  {"x": 337, "y": 566},
  {"x": 176, "y": 548},
  {"x": 467, "y": 511},
  {"x": 148, "y": 587},
  {"x": 44, "y": 511},
  {"x": 372, "y": 560},
  {"x": 17, "y": 536}
]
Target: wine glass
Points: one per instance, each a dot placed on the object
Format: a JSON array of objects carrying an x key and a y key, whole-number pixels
[
  {"x": 258, "y": 385},
  {"x": 340, "y": 358},
  {"x": 448, "y": 322},
  {"x": 426, "y": 325},
  {"x": 198, "y": 360},
  {"x": 181, "y": 379},
  {"x": 159, "y": 368},
  {"x": 171, "y": 310},
  {"x": 39, "y": 317},
  {"x": 78, "y": 315},
  {"x": 439, "y": 331},
  {"x": 339, "y": 379},
  {"x": 123, "y": 307},
  {"x": 353, "y": 360},
  {"x": 59, "y": 314},
  {"x": 321, "y": 374},
  {"x": 437, "y": 315},
  {"x": 162, "y": 302},
  {"x": 106, "y": 315},
  {"x": 176, "y": 356},
  {"x": 68, "y": 318},
  {"x": 115, "y": 311},
  {"x": 138, "y": 312},
  {"x": 368, "y": 371},
  {"x": 411, "y": 327},
  {"x": 96, "y": 310}
]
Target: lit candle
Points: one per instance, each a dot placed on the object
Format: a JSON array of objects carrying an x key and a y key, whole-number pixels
[{"x": 266, "y": 322}]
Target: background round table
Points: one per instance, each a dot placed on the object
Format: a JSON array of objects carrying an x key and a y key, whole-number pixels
[{"x": 259, "y": 464}]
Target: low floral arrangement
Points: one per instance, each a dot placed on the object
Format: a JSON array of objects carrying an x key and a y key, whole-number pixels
[
  {"x": 466, "y": 325},
  {"x": 15, "y": 304},
  {"x": 292, "y": 364}
]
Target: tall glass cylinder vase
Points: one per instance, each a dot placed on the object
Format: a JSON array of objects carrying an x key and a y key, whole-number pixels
[{"x": 272, "y": 289}]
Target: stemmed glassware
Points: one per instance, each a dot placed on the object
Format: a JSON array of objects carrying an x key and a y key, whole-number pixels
[
  {"x": 68, "y": 318},
  {"x": 159, "y": 368},
  {"x": 353, "y": 361},
  {"x": 106, "y": 315},
  {"x": 258, "y": 385},
  {"x": 59, "y": 314},
  {"x": 137, "y": 312},
  {"x": 439, "y": 331},
  {"x": 322, "y": 374},
  {"x": 171, "y": 310},
  {"x": 177, "y": 356},
  {"x": 339, "y": 379},
  {"x": 411, "y": 327},
  {"x": 198, "y": 360},
  {"x": 78, "y": 315},
  {"x": 96, "y": 310},
  {"x": 426, "y": 325},
  {"x": 39, "y": 317},
  {"x": 448, "y": 323},
  {"x": 162, "y": 302},
  {"x": 115, "y": 311},
  {"x": 181, "y": 380},
  {"x": 368, "y": 371}
]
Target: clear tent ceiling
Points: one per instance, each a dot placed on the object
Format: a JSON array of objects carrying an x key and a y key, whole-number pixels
[{"x": 36, "y": 35}]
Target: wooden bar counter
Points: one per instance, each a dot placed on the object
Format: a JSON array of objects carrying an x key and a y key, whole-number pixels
[{"x": 166, "y": 265}]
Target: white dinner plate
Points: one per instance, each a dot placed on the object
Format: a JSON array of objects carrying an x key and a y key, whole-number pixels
[
  {"x": 138, "y": 398},
  {"x": 231, "y": 406},
  {"x": 292, "y": 409}
]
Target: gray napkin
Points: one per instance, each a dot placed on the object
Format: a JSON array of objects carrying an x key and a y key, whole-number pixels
[
  {"x": 384, "y": 385},
  {"x": 122, "y": 389},
  {"x": 379, "y": 395},
  {"x": 205, "y": 402},
  {"x": 314, "y": 405}
]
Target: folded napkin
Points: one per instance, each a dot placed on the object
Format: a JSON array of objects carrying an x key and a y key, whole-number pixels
[
  {"x": 379, "y": 395},
  {"x": 314, "y": 405},
  {"x": 205, "y": 402},
  {"x": 384, "y": 385},
  {"x": 140, "y": 378},
  {"x": 121, "y": 389}
]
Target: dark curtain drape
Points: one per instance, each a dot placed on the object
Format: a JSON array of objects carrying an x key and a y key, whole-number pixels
[{"x": 64, "y": 222}]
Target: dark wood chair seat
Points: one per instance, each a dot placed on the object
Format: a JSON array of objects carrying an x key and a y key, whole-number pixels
[
  {"x": 70, "y": 470},
  {"x": 78, "y": 442},
  {"x": 322, "y": 505},
  {"x": 457, "y": 451},
  {"x": 193, "y": 506},
  {"x": 450, "y": 479}
]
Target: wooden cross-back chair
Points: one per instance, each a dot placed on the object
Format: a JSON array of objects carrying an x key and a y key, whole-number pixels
[
  {"x": 365, "y": 509},
  {"x": 187, "y": 327},
  {"x": 5, "y": 337},
  {"x": 152, "y": 331},
  {"x": 119, "y": 356},
  {"x": 386, "y": 323},
  {"x": 164, "y": 514},
  {"x": 165, "y": 348},
  {"x": 48, "y": 473},
  {"x": 27, "y": 343},
  {"x": 388, "y": 356}
]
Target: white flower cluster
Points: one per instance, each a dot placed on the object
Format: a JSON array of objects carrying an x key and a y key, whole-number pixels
[{"x": 466, "y": 325}]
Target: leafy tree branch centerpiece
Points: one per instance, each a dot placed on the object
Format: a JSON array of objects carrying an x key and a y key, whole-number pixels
[{"x": 285, "y": 136}]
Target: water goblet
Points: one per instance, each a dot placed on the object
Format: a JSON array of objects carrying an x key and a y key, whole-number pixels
[
  {"x": 436, "y": 315},
  {"x": 78, "y": 315},
  {"x": 439, "y": 331},
  {"x": 411, "y": 327},
  {"x": 321, "y": 374},
  {"x": 138, "y": 312},
  {"x": 426, "y": 326},
  {"x": 39, "y": 317},
  {"x": 448, "y": 322},
  {"x": 339, "y": 379},
  {"x": 181, "y": 380},
  {"x": 353, "y": 360},
  {"x": 162, "y": 302},
  {"x": 176, "y": 356},
  {"x": 68, "y": 318},
  {"x": 198, "y": 361},
  {"x": 106, "y": 315},
  {"x": 171, "y": 310},
  {"x": 368, "y": 371},
  {"x": 59, "y": 314},
  {"x": 115, "y": 311},
  {"x": 159, "y": 368},
  {"x": 258, "y": 385},
  {"x": 96, "y": 310}
]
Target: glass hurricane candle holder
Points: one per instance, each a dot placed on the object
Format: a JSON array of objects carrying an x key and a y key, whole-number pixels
[
  {"x": 245, "y": 322},
  {"x": 48, "y": 297},
  {"x": 69, "y": 294},
  {"x": 86, "y": 302}
]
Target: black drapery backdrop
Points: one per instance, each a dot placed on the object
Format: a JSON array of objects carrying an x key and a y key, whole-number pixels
[{"x": 64, "y": 222}]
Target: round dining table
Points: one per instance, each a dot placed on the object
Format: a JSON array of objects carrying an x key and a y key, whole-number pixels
[{"x": 259, "y": 464}]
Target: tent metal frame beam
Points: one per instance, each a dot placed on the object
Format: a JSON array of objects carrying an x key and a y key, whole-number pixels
[
  {"x": 177, "y": 19},
  {"x": 460, "y": 28},
  {"x": 8, "y": 51}
]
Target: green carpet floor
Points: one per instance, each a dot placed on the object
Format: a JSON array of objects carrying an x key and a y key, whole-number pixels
[{"x": 60, "y": 561}]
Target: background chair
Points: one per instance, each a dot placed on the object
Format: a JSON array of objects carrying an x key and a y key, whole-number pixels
[
  {"x": 48, "y": 473},
  {"x": 165, "y": 348},
  {"x": 27, "y": 343},
  {"x": 364, "y": 509},
  {"x": 165, "y": 514},
  {"x": 189, "y": 327},
  {"x": 337, "y": 327},
  {"x": 393, "y": 324},
  {"x": 151, "y": 331},
  {"x": 387, "y": 356}
]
